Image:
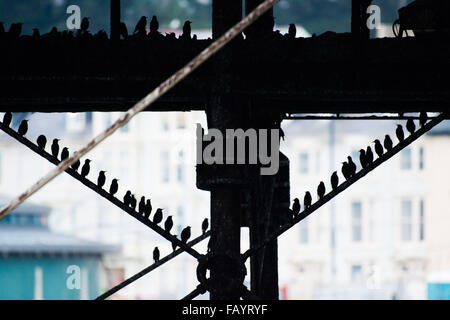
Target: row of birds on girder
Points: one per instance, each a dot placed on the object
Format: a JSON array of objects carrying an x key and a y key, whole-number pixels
[
  {"x": 366, "y": 158},
  {"x": 140, "y": 30},
  {"x": 15, "y": 30},
  {"x": 144, "y": 208}
]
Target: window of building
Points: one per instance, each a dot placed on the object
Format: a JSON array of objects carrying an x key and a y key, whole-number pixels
[
  {"x": 406, "y": 220},
  {"x": 165, "y": 122},
  {"x": 165, "y": 166},
  {"x": 180, "y": 219},
  {"x": 422, "y": 221},
  {"x": 405, "y": 159},
  {"x": 357, "y": 275},
  {"x": 304, "y": 231},
  {"x": 303, "y": 163},
  {"x": 356, "y": 221},
  {"x": 180, "y": 167},
  {"x": 181, "y": 121},
  {"x": 421, "y": 158}
]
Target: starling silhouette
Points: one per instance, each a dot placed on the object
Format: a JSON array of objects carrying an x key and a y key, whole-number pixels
[
  {"x": 352, "y": 166},
  {"x": 168, "y": 224},
  {"x": 378, "y": 148},
  {"x": 101, "y": 179},
  {"x": 292, "y": 31},
  {"x": 346, "y": 170},
  {"x": 23, "y": 128},
  {"x": 114, "y": 187},
  {"x": 127, "y": 198},
  {"x": 41, "y": 141},
  {"x": 2, "y": 28},
  {"x": 410, "y": 126},
  {"x": 186, "y": 234},
  {"x": 36, "y": 34},
  {"x": 84, "y": 25},
  {"x": 156, "y": 254},
  {"x": 85, "y": 169},
  {"x": 388, "y": 142},
  {"x": 15, "y": 30},
  {"x": 334, "y": 180},
  {"x": 296, "y": 207},
  {"x": 133, "y": 202},
  {"x": 140, "y": 26},
  {"x": 55, "y": 148},
  {"x": 76, "y": 165},
  {"x": 363, "y": 158},
  {"x": 186, "y": 30},
  {"x": 307, "y": 200},
  {"x": 174, "y": 244},
  {"x": 205, "y": 225},
  {"x": 423, "y": 118},
  {"x": 369, "y": 156},
  {"x": 154, "y": 25},
  {"x": 399, "y": 132},
  {"x": 123, "y": 30},
  {"x": 64, "y": 154},
  {"x": 148, "y": 209},
  {"x": 141, "y": 206},
  {"x": 7, "y": 119},
  {"x": 321, "y": 190},
  {"x": 157, "y": 218}
]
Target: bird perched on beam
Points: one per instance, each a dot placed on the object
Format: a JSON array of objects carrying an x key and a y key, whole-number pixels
[
  {"x": 101, "y": 179},
  {"x": 378, "y": 148},
  {"x": 157, "y": 218},
  {"x": 369, "y": 156},
  {"x": 133, "y": 202},
  {"x": 168, "y": 224},
  {"x": 363, "y": 158},
  {"x": 55, "y": 148},
  {"x": 86, "y": 168},
  {"x": 334, "y": 180},
  {"x": 23, "y": 128},
  {"x": 114, "y": 187},
  {"x": 123, "y": 30},
  {"x": 292, "y": 32},
  {"x": 36, "y": 34},
  {"x": 423, "y": 118},
  {"x": 205, "y": 225},
  {"x": 186, "y": 30},
  {"x": 352, "y": 166},
  {"x": 296, "y": 206},
  {"x": 186, "y": 234},
  {"x": 76, "y": 165},
  {"x": 41, "y": 141},
  {"x": 307, "y": 200},
  {"x": 154, "y": 25},
  {"x": 399, "y": 132},
  {"x": 141, "y": 206},
  {"x": 127, "y": 198},
  {"x": 84, "y": 25},
  {"x": 64, "y": 154},
  {"x": 321, "y": 190},
  {"x": 388, "y": 142},
  {"x": 140, "y": 26},
  {"x": 148, "y": 209},
  {"x": 15, "y": 30},
  {"x": 410, "y": 126},
  {"x": 7, "y": 118},
  {"x": 346, "y": 170},
  {"x": 156, "y": 254}
]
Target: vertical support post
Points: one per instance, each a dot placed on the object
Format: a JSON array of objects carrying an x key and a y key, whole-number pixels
[
  {"x": 225, "y": 13},
  {"x": 115, "y": 20},
  {"x": 264, "y": 25}
]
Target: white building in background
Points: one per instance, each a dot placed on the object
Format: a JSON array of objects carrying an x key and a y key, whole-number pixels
[{"x": 391, "y": 227}]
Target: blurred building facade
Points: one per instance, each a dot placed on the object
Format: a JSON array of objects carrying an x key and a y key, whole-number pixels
[{"x": 390, "y": 228}]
